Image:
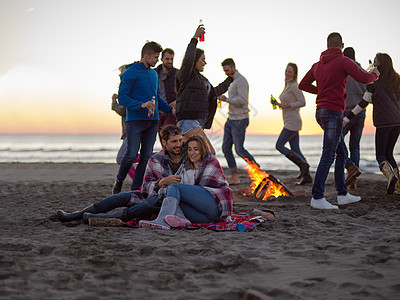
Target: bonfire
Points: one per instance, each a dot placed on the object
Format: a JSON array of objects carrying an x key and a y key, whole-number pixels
[{"x": 264, "y": 185}]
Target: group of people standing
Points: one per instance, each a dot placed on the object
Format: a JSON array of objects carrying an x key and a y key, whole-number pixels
[{"x": 180, "y": 104}]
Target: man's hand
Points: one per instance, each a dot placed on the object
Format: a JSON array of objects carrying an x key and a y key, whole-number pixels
[
  {"x": 149, "y": 105},
  {"x": 222, "y": 98},
  {"x": 376, "y": 71},
  {"x": 199, "y": 30},
  {"x": 170, "y": 180},
  {"x": 114, "y": 97}
]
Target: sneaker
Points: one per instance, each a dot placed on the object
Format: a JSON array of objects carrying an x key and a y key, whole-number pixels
[
  {"x": 347, "y": 199},
  {"x": 322, "y": 204},
  {"x": 117, "y": 186}
]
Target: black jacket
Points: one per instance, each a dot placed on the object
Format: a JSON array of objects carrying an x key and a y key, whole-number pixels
[
  {"x": 386, "y": 112},
  {"x": 194, "y": 99},
  {"x": 169, "y": 83}
]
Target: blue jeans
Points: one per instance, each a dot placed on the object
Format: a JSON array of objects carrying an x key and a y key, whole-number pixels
[
  {"x": 385, "y": 141},
  {"x": 234, "y": 134},
  {"x": 333, "y": 145},
  {"x": 355, "y": 126},
  {"x": 293, "y": 138},
  {"x": 146, "y": 208},
  {"x": 139, "y": 134},
  {"x": 198, "y": 205}
]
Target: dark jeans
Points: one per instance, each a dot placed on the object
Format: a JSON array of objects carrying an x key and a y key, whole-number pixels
[
  {"x": 385, "y": 141},
  {"x": 140, "y": 135},
  {"x": 293, "y": 138},
  {"x": 199, "y": 209},
  {"x": 355, "y": 126},
  {"x": 234, "y": 134},
  {"x": 146, "y": 208},
  {"x": 333, "y": 145}
]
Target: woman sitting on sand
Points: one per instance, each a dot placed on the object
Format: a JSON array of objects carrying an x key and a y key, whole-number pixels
[
  {"x": 384, "y": 94},
  {"x": 203, "y": 197}
]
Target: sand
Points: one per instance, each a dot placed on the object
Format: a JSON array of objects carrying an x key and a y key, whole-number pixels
[{"x": 352, "y": 253}]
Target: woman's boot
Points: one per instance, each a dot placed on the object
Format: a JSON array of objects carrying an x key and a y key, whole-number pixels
[
  {"x": 111, "y": 214},
  {"x": 305, "y": 179},
  {"x": 178, "y": 219},
  {"x": 299, "y": 161},
  {"x": 397, "y": 187},
  {"x": 76, "y": 215},
  {"x": 168, "y": 207},
  {"x": 387, "y": 170}
]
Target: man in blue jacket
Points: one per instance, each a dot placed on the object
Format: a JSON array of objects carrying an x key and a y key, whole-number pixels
[{"x": 139, "y": 92}]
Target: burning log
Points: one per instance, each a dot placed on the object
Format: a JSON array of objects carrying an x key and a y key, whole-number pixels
[{"x": 265, "y": 185}]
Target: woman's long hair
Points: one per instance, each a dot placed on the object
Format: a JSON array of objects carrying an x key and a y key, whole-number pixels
[
  {"x": 203, "y": 147},
  {"x": 295, "y": 70},
  {"x": 388, "y": 74}
]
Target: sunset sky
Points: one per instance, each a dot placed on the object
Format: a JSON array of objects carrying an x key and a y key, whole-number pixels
[{"x": 59, "y": 58}]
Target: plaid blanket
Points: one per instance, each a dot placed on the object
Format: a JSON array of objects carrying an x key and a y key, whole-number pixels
[{"x": 248, "y": 221}]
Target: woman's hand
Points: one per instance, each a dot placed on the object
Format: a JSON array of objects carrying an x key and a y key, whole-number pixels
[
  {"x": 221, "y": 98},
  {"x": 199, "y": 31},
  {"x": 283, "y": 106}
]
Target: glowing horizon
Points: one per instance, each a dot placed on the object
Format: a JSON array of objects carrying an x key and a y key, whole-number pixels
[{"x": 57, "y": 76}]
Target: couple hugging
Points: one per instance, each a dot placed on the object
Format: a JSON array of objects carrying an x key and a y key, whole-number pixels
[{"x": 183, "y": 187}]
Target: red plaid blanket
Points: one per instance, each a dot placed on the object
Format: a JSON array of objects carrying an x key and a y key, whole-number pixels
[{"x": 248, "y": 221}]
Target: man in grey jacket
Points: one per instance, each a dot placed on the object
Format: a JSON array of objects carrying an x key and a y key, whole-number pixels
[
  {"x": 355, "y": 92},
  {"x": 238, "y": 120}
]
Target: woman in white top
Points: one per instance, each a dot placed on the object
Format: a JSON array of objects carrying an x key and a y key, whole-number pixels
[{"x": 291, "y": 100}]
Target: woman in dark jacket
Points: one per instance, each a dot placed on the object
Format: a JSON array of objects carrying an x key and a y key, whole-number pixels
[
  {"x": 384, "y": 94},
  {"x": 196, "y": 101}
]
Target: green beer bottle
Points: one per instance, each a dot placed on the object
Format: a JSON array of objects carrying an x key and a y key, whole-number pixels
[{"x": 273, "y": 102}]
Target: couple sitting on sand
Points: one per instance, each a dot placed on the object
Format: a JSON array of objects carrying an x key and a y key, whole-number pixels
[{"x": 189, "y": 188}]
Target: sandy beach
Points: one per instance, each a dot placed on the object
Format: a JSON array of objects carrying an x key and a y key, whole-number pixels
[{"x": 351, "y": 253}]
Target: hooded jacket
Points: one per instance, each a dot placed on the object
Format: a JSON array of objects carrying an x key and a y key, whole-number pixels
[
  {"x": 331, "y": 73},
  {"x": 196, "y": 98},
  {"x": 138, "y": 85}
]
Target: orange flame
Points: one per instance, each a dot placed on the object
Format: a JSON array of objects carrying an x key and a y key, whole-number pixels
[{"x": 271, "y": 188}]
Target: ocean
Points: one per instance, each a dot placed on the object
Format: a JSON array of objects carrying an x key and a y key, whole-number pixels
[{"x": 40, "y": 148}]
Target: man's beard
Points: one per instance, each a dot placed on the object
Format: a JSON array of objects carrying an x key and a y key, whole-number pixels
[
  {"x": 168, "y": 67},
  {"x": 173, "y": 153}
]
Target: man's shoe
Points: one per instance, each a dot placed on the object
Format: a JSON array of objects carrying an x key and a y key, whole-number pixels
[
  {"x": 347, "y": 199},
  {"x": 322, "y": 204},
  {"x": 117, "y": 186},
  {"x": 352, "y": 173}
]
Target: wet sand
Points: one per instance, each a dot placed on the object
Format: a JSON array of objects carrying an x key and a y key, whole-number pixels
[{"x": 352, "y": 253}]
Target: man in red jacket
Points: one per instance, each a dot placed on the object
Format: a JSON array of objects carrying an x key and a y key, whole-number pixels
[{"x": 330, "y": 74}]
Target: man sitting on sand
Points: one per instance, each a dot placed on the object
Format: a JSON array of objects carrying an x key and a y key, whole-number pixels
[{"x": 159, "y": 175}]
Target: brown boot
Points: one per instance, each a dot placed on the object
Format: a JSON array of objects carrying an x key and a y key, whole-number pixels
[
  {"x": 353, "y": 185},
  {"x": 397, "y": 187},
  {"x": 352, "y": 173},
  {"x": 234, "y": 179}
]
